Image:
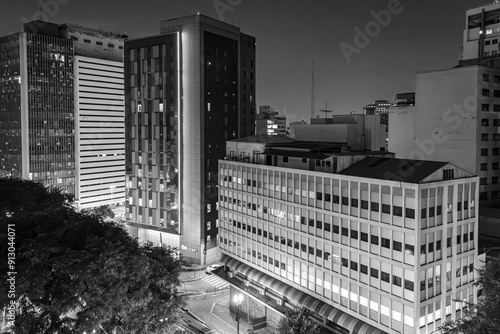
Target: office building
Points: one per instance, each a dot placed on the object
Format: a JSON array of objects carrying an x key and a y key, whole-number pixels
[
  {"x": 269, "y": 121},
  {"x": 370, "y": 244},
  {"x": 376, "y": 108},
  {"x": 37, "y": 118},
  {"x": 100, "y": 116},
  {"x": 61, "y": 102},
  {"x": 188, "y": 90}
]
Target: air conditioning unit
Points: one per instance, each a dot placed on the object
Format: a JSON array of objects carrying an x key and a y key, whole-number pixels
[
  {"x": 247, "y": 283},
  {"x": 329, "y": 258},
  {"x": 230, "y": 274},
  {"x": 262, "y": 291},
  {"x": 279, "y": 302}
]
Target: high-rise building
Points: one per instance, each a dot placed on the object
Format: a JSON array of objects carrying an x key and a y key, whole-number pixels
[
  {"x": 270, "y": 122},
  {"x": 380, "y": 245},
  {"x": 100, "y": 115},
  {"x": 456, "y": 118},
  {"x": 481, "y": 34},
  {"x": 62, "y": 119},
  {"x": 188, "y": 90},
  {"x": 37, "y": 118}
]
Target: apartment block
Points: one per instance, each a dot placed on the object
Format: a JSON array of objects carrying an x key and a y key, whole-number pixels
[{"x": 382, "y": 245}]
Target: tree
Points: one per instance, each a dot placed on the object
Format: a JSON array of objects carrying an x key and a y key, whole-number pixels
[
  {"x": 75, "y": 272},
  {"x": 103, "y": 211},
  {"x": 484, "y": 317},
  {"x": 298, "y": 321}
]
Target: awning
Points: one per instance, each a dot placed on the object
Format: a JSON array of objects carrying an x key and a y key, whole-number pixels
[{"x": 354, "y": 325}]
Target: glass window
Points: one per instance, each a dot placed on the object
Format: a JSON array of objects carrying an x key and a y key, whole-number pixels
[{"x": 386, "y": 243}]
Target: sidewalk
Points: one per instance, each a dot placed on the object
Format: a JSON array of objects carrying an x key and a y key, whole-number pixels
[
  {"x": 214, "y": 310},
  {"x": 186, "y": 276}
]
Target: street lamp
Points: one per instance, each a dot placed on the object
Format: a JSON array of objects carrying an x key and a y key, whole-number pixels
[
  {"x": 238, "y": 299},
  {"x": 111, "y": 188}
]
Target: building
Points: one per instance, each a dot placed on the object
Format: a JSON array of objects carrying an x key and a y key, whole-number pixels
[
  {"x": 457, "y": 115},
  {"x": 373, "y": 245},
  {"x": 481, "y": 34},
  {"x": 188, "y": 90},
  {"x": 292, "y": 127},
  {"x": 404, "y": 99},
  {"x": 62, "y": 120},
  {"x": 100, "y": 115},
  {"x": 376, "y": 108},
  {"x": 456, "y": 118},
  {"x": 358, "y": 132},
  {"x": 269, "y": 121}
]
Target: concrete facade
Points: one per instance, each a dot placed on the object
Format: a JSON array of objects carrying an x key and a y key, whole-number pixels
[
  {"x": 457, "y": 119},
  {"x": 386, "y": 254}
]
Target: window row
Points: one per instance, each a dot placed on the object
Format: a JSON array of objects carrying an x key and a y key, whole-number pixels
[
  {"x": 344, "y": 231},
  {"x": 494, "y": 136},
  {"x": 372, "y": 206}
]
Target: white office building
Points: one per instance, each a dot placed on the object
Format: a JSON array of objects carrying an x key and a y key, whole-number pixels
[
  {"x": 383, "y": 246},
  {"x": 100, "y": 124}
]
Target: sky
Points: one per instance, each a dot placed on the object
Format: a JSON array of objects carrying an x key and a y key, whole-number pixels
[{"x": 363, "y": 50}]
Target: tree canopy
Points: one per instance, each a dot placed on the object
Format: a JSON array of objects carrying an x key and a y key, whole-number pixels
[
  {"x": 75, "y": 272},
  {"x": 298, "y": 321},
  {"x": 484, "y": 317},
  {"x": 103, "y": 211}
]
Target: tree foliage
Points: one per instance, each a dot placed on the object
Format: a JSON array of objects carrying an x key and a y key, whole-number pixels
[
  {"x": 77, "y": 273},
  {"x": 298, "y": 321},
  {"x": 103, "y": 211},
  {"x": 484, "y": 317}
]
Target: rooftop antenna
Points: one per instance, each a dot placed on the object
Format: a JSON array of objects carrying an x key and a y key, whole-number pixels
[
  {"x": 312, "y": 92},
  {"x": 326, "y": 110}
]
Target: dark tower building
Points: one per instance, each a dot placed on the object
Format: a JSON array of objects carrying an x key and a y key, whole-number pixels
[{"x": 188, "y": 90}]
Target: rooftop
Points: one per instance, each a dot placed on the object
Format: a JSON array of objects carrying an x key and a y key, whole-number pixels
[
  {"x": 403, "y": 170},
  {"x": 264, "y": 139}
]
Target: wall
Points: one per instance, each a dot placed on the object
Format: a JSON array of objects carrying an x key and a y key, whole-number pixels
[{"x": 402, "y": 131}]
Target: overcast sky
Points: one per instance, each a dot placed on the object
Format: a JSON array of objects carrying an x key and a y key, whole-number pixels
[{"x": 350, "y": 70}]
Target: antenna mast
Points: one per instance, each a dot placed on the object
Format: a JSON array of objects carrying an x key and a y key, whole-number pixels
[{"x": 312, "y": 92}]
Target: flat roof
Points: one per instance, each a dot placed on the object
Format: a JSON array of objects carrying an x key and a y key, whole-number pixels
[
  {"x": 403, "y": 170},
  {"x": 263, "y": 139}
]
